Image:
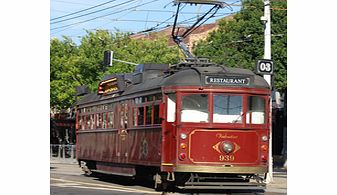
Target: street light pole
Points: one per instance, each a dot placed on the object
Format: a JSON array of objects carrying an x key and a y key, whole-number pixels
[{"x": 267, "y": 55}]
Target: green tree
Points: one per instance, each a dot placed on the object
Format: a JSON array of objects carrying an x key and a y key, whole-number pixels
[
  {"x": 239, "y": 41},
  {"x": 71, "y": 65},
  {"x": 63, "y": 75}
]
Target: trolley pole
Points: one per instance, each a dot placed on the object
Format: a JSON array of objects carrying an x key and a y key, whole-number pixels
[{"x": 267, "y": 55}]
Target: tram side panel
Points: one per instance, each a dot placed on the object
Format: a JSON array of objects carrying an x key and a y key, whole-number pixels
[
  {"x": 144, "y": 146},
  {"x": 98, "y": 146}
]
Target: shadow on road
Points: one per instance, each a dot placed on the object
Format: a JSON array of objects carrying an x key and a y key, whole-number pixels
[{"x": 128, "y": 181}]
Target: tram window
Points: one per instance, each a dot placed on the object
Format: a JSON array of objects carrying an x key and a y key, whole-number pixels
[
  {"x": 194, "y": 108},
  {"x": 256, "y": 110},
  {"x": 148, "y": 120},
  {"x": 135, "y": 117},
  {"x": 87, "y": 119},
  {"x": 158, "y": 96},
  {"x": 126, "y": 111},
  {"x": 83, "y": 123},
  {"x": 92, "y": 121},
  {"x": 227, "y": 109},
  {"x": 104, "y": 120},
  {"x": 171, "y": 108},
  {"x": 110, "y": 106},
  {"x": 139, "y": 100},
  {"x": 140, "y": 116},
  {"x": 98, "y": 120},
  {"x": 110, "y": 119},
  {"x": 149, "y": 98},
  {"x": 80, "y": 121},
  {"x": 156, "y": 119}
]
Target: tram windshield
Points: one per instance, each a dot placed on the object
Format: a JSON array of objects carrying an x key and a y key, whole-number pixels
[
  {"x": 256, "y": 110},
  {"x": 195, "y": 108},
  {"x": 226, "y": 109}
]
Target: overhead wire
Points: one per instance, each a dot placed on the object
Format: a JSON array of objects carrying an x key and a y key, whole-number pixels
[
  {"x": 154, "y": 28},
  {"x": 93, "y": 12},
  {"x": 102, "y": 15},
  {"x": 79, "y": 24},
  {"x": 150, "y": 29},
  {"x": 74, "y": 3},
  {"x": 116, "y": 18},
  {"x": 83, "y": 10}
]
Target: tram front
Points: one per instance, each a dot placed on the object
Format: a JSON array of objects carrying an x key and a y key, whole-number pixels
[{"x": 215, "y": 128}]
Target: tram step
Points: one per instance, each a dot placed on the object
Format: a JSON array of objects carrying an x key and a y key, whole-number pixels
[
  {"x": 223, "y": 184},
  {"x": 223, "y": 187}
]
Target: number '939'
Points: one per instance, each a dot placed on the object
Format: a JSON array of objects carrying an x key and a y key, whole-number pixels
[{"x": 226, "y": 158}]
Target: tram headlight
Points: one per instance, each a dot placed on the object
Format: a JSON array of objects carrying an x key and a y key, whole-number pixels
[
  {"x": 227, "y": 147},
  {"x": 183, "y": 136},
  {"x": 264, "y": 138}
]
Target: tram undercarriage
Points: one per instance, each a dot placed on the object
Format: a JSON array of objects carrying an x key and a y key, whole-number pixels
[{"x": 208, "y": 181}]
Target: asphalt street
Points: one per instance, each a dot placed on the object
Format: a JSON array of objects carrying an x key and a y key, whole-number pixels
[{"x": 68, "y": 179}]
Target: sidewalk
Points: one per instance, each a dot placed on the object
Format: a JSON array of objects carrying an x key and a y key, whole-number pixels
[
  {"x": 279, "y": 183},
  {"x": 64, "y": 167}
]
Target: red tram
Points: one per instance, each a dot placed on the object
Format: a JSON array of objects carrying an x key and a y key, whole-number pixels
[{"x": 194, "y": 125}]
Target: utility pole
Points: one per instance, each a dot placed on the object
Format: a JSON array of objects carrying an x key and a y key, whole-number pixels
[{"x": 267, "y": 56}]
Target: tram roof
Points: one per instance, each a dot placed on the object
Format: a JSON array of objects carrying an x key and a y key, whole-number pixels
[{"x": 155, "y": 78}]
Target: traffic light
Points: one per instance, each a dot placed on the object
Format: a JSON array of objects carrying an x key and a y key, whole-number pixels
[{"x": 108, "y": 57}]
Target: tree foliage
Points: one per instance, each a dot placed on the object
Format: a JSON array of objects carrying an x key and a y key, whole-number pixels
[
  {"x": 239, "y": 42},
  {"x": 72, "y": 65}
]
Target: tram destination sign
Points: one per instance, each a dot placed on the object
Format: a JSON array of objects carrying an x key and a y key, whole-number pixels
[
  {"x": 111, "y": 85},
  {"x": 225, "y": 80}
]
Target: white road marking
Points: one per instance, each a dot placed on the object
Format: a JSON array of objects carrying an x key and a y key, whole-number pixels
[{"x": 78, "y": 184}]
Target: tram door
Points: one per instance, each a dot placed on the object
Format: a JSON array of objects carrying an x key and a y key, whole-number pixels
[
  {"x": 122, "y": 132},
  {"x": 168, "y": 144}
]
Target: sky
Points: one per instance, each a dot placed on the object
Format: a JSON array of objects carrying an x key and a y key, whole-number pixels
[{"x": 73, "y": 18}]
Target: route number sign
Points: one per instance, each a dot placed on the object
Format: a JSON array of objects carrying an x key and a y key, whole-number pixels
[{"x": 265, "y": 66}]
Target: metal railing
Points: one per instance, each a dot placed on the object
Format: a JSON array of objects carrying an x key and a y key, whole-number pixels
[{"x": 63, "y": 153}]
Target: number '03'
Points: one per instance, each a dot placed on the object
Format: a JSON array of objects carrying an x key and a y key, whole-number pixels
[{"x": 265, "y": 67}]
